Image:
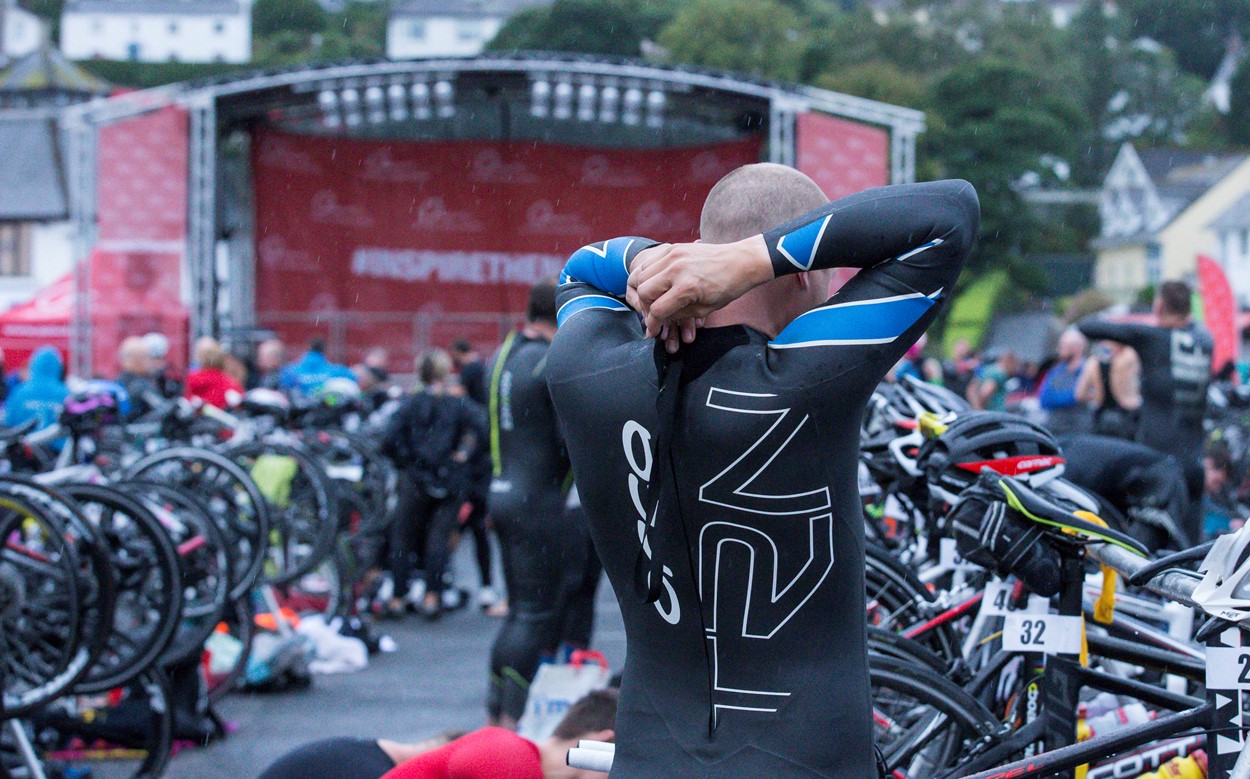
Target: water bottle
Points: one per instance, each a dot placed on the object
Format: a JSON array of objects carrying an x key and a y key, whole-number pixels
[
  {"x": 1118, "y": 719},
  {"x": 1192, "y": 767},
  {"x": 1101, "y": 703}
]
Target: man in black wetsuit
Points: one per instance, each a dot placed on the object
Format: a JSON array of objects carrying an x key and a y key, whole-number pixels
[
  {"x": 1175, "y": 372},
  {"x": 1142, "y": 484},
  {"x": 527, "y": 495},
  {"x": 725, "y": 506}
]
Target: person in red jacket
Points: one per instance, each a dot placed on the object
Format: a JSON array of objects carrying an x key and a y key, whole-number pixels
[
  {"x": 489, "y": 753},
  {"x": 210, "y": 382}
]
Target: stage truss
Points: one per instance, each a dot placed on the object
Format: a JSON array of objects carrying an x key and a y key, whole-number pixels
[{"x": 635, "y": 101}]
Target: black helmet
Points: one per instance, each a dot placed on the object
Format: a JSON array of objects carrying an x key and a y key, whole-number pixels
[{"x": 1006, "y": 443}]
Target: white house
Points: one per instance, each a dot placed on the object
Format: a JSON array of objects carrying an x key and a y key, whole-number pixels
[
  {"x": 447, "y": 28},
  {"x": 21, "y": 32},
  {"x": 158, "y": 30},
  {"x": 36, "y": 237}
]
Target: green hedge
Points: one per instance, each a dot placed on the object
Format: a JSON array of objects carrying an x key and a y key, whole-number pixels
[
  {"x": 971, "y": 313},
  {"x": 141, "y": 75}
]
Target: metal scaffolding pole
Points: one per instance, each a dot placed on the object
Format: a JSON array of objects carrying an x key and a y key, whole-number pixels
[
  {"x": 201, "y": 263},
  {"x": 81, "y": 139}
]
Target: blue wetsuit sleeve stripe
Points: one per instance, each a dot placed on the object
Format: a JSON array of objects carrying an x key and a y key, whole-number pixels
[
  {"x": 860, "y": 323},
  {"x": 605, "y": 265},
  {"x": 586, "y": 302},
  {"x": 902, "y": 220}
]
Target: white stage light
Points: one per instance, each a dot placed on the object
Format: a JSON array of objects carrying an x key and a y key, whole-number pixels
[
  {"x": 655, "y": 108},
  {"x": 328, "y": 102},
  {"x": 631, "y": 110},
  {"x": 395, "y": 96},
  {"x": 608, "y": 99},
  {"x": 444, "y": 95},
  {"x": 421, "y": 100},
  {"x": 540, "y": 94},
  {"x": 350, "y": 98},
  {"x": 564, "y": 100},
  {"x": 586, "y": 102},
  {"x": 375, "y": 104}
]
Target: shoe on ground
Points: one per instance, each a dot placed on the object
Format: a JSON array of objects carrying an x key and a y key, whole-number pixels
[{"x": 487, "y": 597}]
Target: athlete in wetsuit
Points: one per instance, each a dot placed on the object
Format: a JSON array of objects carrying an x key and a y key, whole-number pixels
[
  {"x": 1175, "y": 372},
  {"x": 527, "y": 497},
  {"x": 746, "y": 653},
  {"x": 1140, "y": 483}
]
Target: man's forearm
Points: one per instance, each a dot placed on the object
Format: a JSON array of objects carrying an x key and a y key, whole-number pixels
[{"x": 904, "y": 219}]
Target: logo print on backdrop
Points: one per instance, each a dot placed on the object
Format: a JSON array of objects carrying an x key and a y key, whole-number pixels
[
  {"x": 139, "y": 271},
  {"x": 433, "y": 216},
  {"x": 324, "y": 302},
  {"x": 379, "y": 166},
  {"x": 541, "y": 217},
  {"x": 276, "y": 255},
  {"x": 489, "y": 168},
  {"x": 707, "y": 166},
  {"x": 325, "y": 207},
  {"x": 281, "y": 154},
  {"x": 651, "y": 219},
  {"x": 598, "y": 171}
]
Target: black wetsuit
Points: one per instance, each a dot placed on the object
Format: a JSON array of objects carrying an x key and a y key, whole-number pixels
[
  {"x": 1144, "y": 485},
  {"x": 752, "y": 662},
  {"x": 1175, "y": 372},
  {"x": 527, "y": 495}
]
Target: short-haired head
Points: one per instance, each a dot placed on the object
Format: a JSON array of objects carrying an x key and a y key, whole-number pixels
[
  {"x": 593, "y": 713},
  {"x": 317, "y": 345},
  {"x": 754, "y": 199},
  {"x": 433, "y": 366},
  {"x": 132, "y": 355},
  {"x": 1174, "y": 298},
  {"x": 542, "y": 302},
  {"x": 209, "y": 354}
]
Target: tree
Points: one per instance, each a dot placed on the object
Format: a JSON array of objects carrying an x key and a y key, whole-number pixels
[
  {"x": 1237, "y": 123},
  {"x": 759, "y": 37},
  {"x": 1196, "y": 31},
  {"x": 270, "y": 17},
  {"x": 591, "y": 26}
]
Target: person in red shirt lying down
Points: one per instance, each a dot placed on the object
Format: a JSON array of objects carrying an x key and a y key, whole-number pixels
[{"x": 489, "y": 753}]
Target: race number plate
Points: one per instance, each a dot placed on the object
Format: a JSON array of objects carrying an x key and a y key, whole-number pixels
[{"x": 1049, "y": 634}]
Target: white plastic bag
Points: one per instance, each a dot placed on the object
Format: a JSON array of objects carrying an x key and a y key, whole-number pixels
[{"x": 556, "y": 687}]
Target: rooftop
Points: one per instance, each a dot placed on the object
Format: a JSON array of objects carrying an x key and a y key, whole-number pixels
[
  {"x": 1181, "y": 176},
  {"x": 162, "y": 7},
  {"x": 31, "y": 188},
  {"x": 462, "y": 8}
]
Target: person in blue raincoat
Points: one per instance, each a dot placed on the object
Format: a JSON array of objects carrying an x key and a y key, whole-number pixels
[
  {"x": 304, "y": 377},
  {"x": 42, "y": 394}
]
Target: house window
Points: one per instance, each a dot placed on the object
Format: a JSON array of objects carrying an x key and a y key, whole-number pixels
[
  {"x": 173, "y": 28},
  {"x": 1245, "y": 242},
  {"x": 219, "y": 27},
  {"x": 469, "y": 31},
  {"x": 97, "y": 25},
  {"x": 416, "y": 30},
  {"x": 14, "y": 249},
  {"x": 1154, "y": 264}
]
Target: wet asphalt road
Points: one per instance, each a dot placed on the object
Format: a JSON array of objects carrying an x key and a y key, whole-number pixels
[{"x": 436, "y": 681}]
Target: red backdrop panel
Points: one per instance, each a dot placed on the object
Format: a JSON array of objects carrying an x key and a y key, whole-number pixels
[
  {"x": 842, "y": 157},
  {"x": 451, "y": 233}
]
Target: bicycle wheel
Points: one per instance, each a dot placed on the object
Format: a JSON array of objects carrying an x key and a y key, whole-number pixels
[
  {"x": 204, "y": 563},
  {"x": 221, "y": 677},
  {"x": 366, "y": 480},
  {"x": 897, "y": 600},
  {"x": 301, "y": 506},
  {"x": 322, "y": 590},
  {"x": 923, "y": 722},
  {"x": 41, "y": 647},
  {"x": 126, "y": 734},
  {"x": 149, "y": 586},
  {"x": 233, "y": 500}
]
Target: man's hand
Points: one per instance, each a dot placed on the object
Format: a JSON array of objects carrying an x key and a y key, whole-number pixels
[{"x": 673, "y": 285}]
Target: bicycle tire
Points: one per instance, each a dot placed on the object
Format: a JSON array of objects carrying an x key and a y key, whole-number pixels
[
  {"x": 149, "y": 604},
  {"x": 233, "y": 499},
  {"x": 204, "y": 560},
  {"x": 897, "y": 600},
  {"x": 41, "y": 649},
  {"x": 923, "y": 722},
  {"x": 302, "y": 531}
]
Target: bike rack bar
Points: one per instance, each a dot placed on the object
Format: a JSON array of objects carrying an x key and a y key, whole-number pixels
[{"x": 1173, "y": 584}]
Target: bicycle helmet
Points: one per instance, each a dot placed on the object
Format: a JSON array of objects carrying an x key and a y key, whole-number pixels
[
  {"x": 337, "y": 390},
  {"x": 89, "y": 410},
  {"x": 932, "y": 398},
  {"x": 265, "y": 402},
  {"x": 1224, "y": 591},
  {"x": 1005, "y": 443}
]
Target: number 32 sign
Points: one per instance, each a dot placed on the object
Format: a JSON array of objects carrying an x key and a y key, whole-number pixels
[{"x": 1048, "y": 634}]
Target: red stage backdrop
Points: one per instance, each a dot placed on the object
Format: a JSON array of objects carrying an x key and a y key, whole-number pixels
[
  {"x": 355, "y": 238},
  {"x": 843, "y": 157},
  {"x": 142, "y": 218}
]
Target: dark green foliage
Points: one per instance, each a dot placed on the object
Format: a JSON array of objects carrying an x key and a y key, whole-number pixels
[
  {"x": 591, "y": 26},
  {"x": 142, "y": 75},
  {"x": 270, "y": 17}
]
